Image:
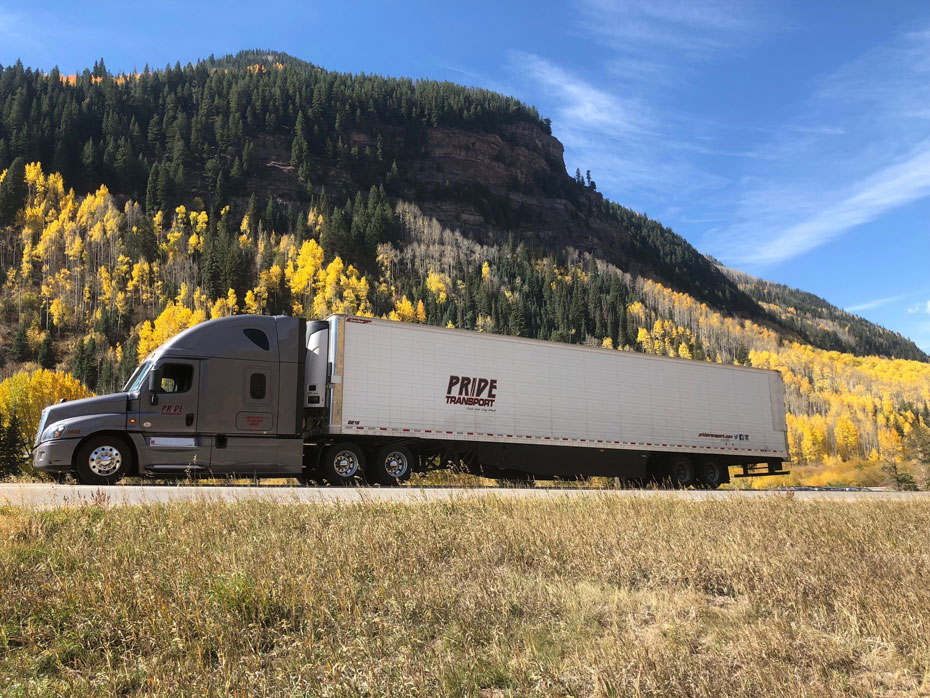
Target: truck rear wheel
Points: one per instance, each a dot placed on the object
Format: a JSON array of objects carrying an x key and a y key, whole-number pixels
[
  {"x": 681, "y": 471},
  {"x": 343, "y": 463},
  {"x": 711, "y": 474},
  {"x": 102, "y": 460},
  {"x": 391, "y": 465}
]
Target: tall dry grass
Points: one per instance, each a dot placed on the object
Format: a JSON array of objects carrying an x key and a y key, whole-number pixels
[{"x": 591, "y": 597}]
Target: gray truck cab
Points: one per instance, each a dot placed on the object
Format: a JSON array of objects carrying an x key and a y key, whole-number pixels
[{"x": 227, "y": 396}]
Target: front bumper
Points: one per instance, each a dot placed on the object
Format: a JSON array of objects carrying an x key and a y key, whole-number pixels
[{"x": 54, "y": 456}]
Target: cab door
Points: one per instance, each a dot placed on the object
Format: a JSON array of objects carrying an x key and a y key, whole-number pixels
[{"x": 168, "y": 408}]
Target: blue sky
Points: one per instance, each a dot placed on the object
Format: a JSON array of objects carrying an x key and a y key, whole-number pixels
[{"x": 790, "y": 140}]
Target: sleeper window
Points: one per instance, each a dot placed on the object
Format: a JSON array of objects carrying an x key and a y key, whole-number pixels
[{"x": 257, "y": 386}]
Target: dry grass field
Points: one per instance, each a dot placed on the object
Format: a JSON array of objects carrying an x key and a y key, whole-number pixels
[{"x": 591, "y": 597}]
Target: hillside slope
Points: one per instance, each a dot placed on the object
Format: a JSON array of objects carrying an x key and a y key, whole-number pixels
[
  {"x": 266, "y": 126},
  {"x": 821, "y": 324}
]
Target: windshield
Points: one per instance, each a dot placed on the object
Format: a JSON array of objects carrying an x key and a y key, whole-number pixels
[{"x": 137, "y": 377}]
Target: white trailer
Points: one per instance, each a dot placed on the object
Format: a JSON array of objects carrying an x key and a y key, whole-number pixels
[
  {"x": 353, "y": 398},
  {"x": 507, "y": 404}
]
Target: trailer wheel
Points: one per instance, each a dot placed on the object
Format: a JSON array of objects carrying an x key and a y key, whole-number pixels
[
  {"x": 103, "y": 460},
  {"x": 343, "y": 463},
  {"x": 711, "y": 474},
  {"x": 391, "y": 465},
  {"x": 681, "y": 470}
]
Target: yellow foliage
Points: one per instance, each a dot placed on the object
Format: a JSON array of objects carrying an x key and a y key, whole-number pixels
[
  {"x": 174, "y": 319},
  {"x": 438, "y": 285},
  {"x": 403, "y": 310},
  {"x": 28, "y": 393},
  {"x": 252, "y": 306}
]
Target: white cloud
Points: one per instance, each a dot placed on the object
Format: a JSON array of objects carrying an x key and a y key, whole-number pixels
[
  {"x": 896, "y": 184},
  {"x": 854, "y": 152},
  {"x": 923, "y": 307},
  {"x": 876, "y": 303},
  {"x": 581, "y": 105},
  {"x": 692, "y": 28}
]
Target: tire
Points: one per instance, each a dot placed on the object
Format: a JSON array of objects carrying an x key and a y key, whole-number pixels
[
  {"x": 343, "y": 464},
  {"x": 711, "y": 474},
  {"x": 391, "y": 465},
  {"x": 102, "y": 460},
  {"x": 681, "y": 472}
]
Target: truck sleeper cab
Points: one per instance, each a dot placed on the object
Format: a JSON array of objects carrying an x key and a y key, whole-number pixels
[
  {"x": 349, "y": 399},
  {"x": 218, "y": 398}
]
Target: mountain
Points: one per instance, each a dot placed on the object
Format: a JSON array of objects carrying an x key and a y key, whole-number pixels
[
  {"x": 132, "y": 206},
  {"x": 264, "y": 124},
  {"x": 821, "y": 324}
]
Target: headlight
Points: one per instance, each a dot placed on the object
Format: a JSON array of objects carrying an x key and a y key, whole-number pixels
[{"x": 54, "y": 432}]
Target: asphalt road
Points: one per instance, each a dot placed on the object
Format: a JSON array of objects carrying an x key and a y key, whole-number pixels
[{"x": 50, "y": 495}]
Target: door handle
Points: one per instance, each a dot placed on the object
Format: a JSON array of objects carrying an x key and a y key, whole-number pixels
[{"x": 189, "y": 419}]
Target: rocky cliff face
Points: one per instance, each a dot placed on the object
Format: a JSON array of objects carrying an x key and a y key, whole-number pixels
[
  {"x": 519, "y": 178},
  {"x": 487, "y": 185}
]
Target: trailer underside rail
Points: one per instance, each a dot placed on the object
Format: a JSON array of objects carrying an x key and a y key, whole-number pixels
[{"x": 761, "y": 470}]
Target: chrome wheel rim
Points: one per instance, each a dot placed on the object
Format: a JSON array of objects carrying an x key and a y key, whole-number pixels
[
  {"x": 395, "y": 464},
  {"x": 345, "y": 464},
  {"x": 105, "y": 461}
]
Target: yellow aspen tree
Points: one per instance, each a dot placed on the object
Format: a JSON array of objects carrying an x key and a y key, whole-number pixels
[
  {"x": 847, "y": 438},
  {"x": 251, "y": 303},
  {"x": 421, "y": 312},
  {"x": 403, "y": 310},
  {"x": 27, "y": 394}
]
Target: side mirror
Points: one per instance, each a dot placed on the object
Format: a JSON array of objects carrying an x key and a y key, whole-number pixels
[{"x": 154, "y": 385}]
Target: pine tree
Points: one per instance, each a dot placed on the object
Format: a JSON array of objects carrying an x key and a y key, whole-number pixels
[
  {"x": 47, "y": 358},
  {"x": 13, "y": 191},
  {"x": 517, "y": 320},
  {"x": 21, "y": 351},
  {"x": 11, "y": 446},
  {"x": 90, "y": 366},
  {"x": 153, "y": 201},
  {"x": 79, "y": 361}
]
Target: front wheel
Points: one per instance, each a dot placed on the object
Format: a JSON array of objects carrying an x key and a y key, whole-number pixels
[
  {"x": 343, "y": 463},
  {"x": 391, "y": 465},
  {"x": 103, "y": 460}
]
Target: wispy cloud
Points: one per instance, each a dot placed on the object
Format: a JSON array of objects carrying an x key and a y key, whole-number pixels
[
  {"x": 628, "y": 145},
  {"x": 876, "y": 303},
  {"x": 872, "y": 156},
  {"x": 689, "y": 27},
  {"x": 581, "y": 105},
  {"x": 896, "y": 184},
  {"x": 923, "y": 307}
]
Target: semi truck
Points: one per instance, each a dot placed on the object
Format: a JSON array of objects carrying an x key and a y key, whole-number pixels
[{"x": 354, "y": 399}]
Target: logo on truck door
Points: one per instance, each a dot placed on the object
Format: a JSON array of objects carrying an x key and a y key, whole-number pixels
[{"x": 468, "y": 390}]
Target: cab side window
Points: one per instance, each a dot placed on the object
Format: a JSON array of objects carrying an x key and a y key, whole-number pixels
[{"x": 176, "y": 378}]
